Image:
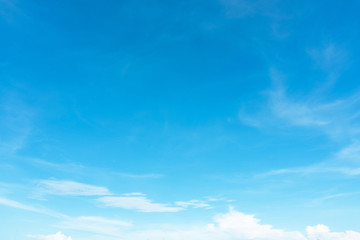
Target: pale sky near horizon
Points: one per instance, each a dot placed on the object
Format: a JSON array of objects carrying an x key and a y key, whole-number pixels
[{"x": 174, "y": 120}]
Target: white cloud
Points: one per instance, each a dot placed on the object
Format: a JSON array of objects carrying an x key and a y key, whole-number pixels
[
  {"x": 71, "y": 188},
  {"x": 140, "y": 176},
  {"x": 137, "y": 202},
  {"x": 320, "y": 201},
  {"x": 57, "y": 236},
  {"x": 314, "y": 169},
  {"x": 232, "y": 225},
  {"x": 193, "y": 203},
  {"x": 322, "y": 232},
  {"x": 281, "y": 110},
  {"x": 14, "y": 204},
  {"x": 301, "y": 112},
  {"x": 242, "y": 226},
  {"x": 235, "y": 225},
  {"x": 350, "y": 153},
  {"x": 337, "y": 118},
  {"x": 346, "y": 162},
  {"x": 134, "y": 194},
  {"x": 94, "y": 224}
]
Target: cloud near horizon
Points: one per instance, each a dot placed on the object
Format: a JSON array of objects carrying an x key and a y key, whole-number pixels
[
  {"x": 57, "y": 236},
  {"x": 95, "y": 225},
  {"x": 232, "y": 225}
]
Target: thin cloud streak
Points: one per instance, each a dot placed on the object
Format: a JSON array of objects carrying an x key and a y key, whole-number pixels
[
  {"x": 139, "y": 203},
  {"x": 193, "y": 203},
  {"x": 64, "y": 187},
  {"x": 345, "y": 162},
  {"x": 321, "y": 200},
  {"x": 92, "y": 224},
  {"x": 140, "y": 176},
  {"x": 16, "y": 124},
  {"x": 98, "y": 225},
  {"x": 14, "y": 204},
  {"x": 313, "y": 170}
]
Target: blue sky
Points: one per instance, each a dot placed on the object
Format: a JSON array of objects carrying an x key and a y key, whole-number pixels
[{"x": 218, "y": 119}]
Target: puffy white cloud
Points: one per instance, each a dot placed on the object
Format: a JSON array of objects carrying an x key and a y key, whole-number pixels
[
  {"x": 232, "y": 225},
  {"x": 57, "y": 236},
  {"x": 137, "y": 202},
  {"x": 235, "y": 225},
  {"x": 322, "y": 232},
  {"x": 243, "y": 226},
  {"x": 71, "y": 188}
]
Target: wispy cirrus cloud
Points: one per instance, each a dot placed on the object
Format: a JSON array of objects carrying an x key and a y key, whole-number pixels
[
  {"x": 140, "y": 176},
  {"x": 346, "y": 162},
  {"x": 86, "y": 171},
  {"x": 132, "y": 201},
  {"x": 321, "y": 200},
  {"x": 9, "y": 9},
  {"x": 337, "y": 118},
  {"x": 16, "y": 123},
  {"x": 15, "y": 204},
  {"x": 93, "y": 224},
  {"x": 64, "y": 187},
  {"x": 314, "y": 170},
  {"x": 193, "y": 203},
  {"x": 300, "y": 113},
  {"x": 137, "y": 202},
  {"x": 350, "y": 153},
  {"x": 329, "y": 57}
]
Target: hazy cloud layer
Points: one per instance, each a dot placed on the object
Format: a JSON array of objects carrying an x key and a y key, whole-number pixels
[
  {"x": 57, "y": 236},
  {"x": 233, "y": 225}
]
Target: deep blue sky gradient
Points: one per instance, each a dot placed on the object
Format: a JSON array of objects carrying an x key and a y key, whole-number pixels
[{"x": 182, "y": 100}]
